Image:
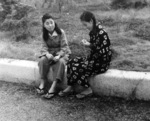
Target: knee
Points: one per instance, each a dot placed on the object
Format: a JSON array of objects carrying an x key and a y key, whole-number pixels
[
  {"x": 43, "y": 60},
  {"x": 62, "y": 61}
]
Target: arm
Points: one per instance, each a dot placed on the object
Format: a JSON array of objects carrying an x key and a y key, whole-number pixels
[
  {"x": 64, "y": 48},
  {"x": 102, "y": 45},
  {"x": 86, "y": 43},
  {"x": 44, "y": 51}
]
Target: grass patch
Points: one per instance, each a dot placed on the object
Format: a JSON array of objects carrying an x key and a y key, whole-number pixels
[
  {"x": 128, "y": 31},
  {"x": 19, "y": 53},
  {"x": 18, "y": 50}
]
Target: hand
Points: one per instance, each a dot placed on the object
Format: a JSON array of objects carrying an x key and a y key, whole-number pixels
[
  {"x": 56, "y": 58},
  {"x": 85, "y": 42},
  {"x": 49, "y": 56},
  {"x": 66, "y": 57}
]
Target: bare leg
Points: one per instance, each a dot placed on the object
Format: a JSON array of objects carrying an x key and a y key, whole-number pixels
[
  {"x": 40, "y": 89},
  {"x": 42, "y": 84},
  {"x": 53, "y": 87},
  {"x": 66, "y": 91},
  {"x": 85, "y": 93},
  {"x": 52, "y": 91}
]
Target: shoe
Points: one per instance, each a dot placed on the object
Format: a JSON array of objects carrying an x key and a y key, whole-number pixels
[
  {"x": 40, "y": 91},
  {"x": 49, "y": 95}
]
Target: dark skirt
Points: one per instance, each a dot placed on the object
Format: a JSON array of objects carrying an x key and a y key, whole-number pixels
[{"x": 80, "y": 69}]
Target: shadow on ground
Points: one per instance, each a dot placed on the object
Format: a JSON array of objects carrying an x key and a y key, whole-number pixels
[{"x": 19, "y": 102}]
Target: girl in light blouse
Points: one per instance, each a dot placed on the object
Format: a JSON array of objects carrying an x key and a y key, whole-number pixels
[{"x": 54, "y": 54}]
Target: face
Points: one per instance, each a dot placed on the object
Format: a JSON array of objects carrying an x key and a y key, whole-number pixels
[
  {"x": 49, "y": 24},
  {"x": 88, "y": 25}
]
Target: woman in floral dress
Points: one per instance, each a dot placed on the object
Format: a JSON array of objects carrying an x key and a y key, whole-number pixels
[{"x": 81, "y": 68}]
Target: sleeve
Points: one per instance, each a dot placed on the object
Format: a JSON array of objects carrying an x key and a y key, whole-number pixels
[
  {"x": 103, "y": 42},
  {"x": 44, "y": 49},
  {"x": 64, "y": 48},
  {"x": 102, "y": 45}
]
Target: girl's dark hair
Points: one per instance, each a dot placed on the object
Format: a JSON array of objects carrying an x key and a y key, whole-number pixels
[
  {"x": 87, "y": 17},
  {"x": 45, "y": 31}
]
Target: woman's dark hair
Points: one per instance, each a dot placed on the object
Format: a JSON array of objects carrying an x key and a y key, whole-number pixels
[
  {"x": 87, "y": 17},
  {"x": 45, "y": 31}
]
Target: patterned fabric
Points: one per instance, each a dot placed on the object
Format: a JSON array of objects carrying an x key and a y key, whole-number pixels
[{"x": 98, "y": 61}]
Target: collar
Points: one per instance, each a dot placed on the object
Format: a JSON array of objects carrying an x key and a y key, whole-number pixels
[
  {"x": 98, "y": 27},
  {"x": 54, "y": 34}
]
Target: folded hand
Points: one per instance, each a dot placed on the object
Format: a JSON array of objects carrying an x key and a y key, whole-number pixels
[
  {"x": 49, "y": 56},
  {"x": 56, "y": 58},
  {"x": 85, "y": 42}
]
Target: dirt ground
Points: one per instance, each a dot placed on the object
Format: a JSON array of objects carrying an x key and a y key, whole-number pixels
[{"x": 19, "y": 102}]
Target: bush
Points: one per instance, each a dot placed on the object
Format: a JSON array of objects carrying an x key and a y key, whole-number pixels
[
  {"x": 116, "y": 4},
  {"x": 100, "y": 6},
  {"x": 19, "y": 28},
  {"x": 5, "y": 9},
  {"x": 63, "y": 6},
  {"x": 77, "y": 49},
  {"x": 119, "y": 4},
  {"x": 143, "y": 31},
  {"x": 5, "y": 6},
  {"x": 19, "y": 22},
  {"x": 107, "y": 21},
  {"x": 139, "y": 27},
  {"x": 133, "y": 24}
]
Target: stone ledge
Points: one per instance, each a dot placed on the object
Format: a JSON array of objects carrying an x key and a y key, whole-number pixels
[{"x": 126, "y": 84}]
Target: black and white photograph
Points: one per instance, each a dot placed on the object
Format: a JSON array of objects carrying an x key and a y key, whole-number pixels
[{"x": 74, "y": 60}]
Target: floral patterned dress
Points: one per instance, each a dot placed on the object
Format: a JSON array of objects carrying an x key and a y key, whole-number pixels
[{"x": 97, "y": 62}]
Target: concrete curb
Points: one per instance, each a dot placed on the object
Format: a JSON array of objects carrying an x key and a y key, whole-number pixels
[{"x": 126, "y": 84}]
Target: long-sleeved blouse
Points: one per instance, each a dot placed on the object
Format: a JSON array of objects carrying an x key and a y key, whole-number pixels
[{"x": 56, "y": 45}]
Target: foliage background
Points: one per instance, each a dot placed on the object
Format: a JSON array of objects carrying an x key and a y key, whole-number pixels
[{"x": 126, "y": 21}]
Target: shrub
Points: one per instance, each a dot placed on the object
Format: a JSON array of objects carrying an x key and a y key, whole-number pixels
[
  {"x": 5, "y": 9},
  {"x": 107, "y": 21},
  {"x": 143, "y": 31},
  {"x": 128, "y": 4},
  {"x": 19, "y": 28},
  {"x": 119, "y": 4},
  {"x": 63, "y": 5},
  {"x": 19, "y": 22},
  {"x": 98, "y": 6},
  {"x": 77, "y": 49},
  {"x": 133, "y": 24}
]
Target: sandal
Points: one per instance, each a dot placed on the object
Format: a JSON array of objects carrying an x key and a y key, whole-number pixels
[
  {"x": 49, "y": 95},
  {"x": 40, "y": 91},
  {"x": 63, "y": 94},
  {"x": 82, "y": 95}
]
